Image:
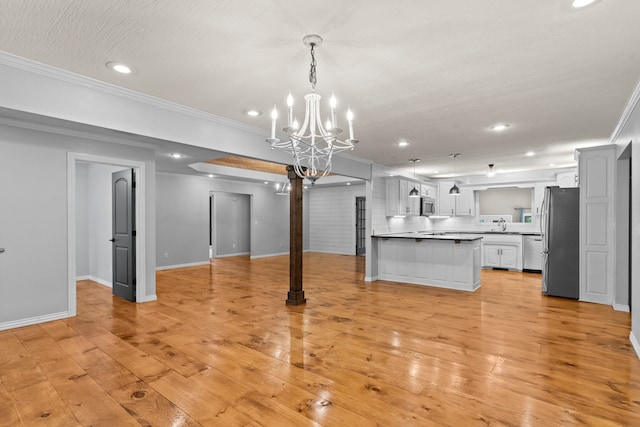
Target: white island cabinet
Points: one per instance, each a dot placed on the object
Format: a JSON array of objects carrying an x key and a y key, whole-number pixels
[{"x": 450, "y": 261}]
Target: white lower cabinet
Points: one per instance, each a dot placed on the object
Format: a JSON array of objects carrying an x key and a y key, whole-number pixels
[
  {"x": 502, "y": 251},
  {"x": 500, "y": 256}
]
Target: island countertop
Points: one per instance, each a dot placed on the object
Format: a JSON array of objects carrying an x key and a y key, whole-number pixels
[{"x": 428, "y": 236}]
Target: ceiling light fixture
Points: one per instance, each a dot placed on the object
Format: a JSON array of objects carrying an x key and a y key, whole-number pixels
[
  {"x": 491, "y": 173},
  {"x": 253, "y": 113},
  {"x": 176, "y": 155},
  {"x": 403, "y": 143},
  {"x": 284, "y": 189},
  {"x": 454, "y": 191},
  {"x": 119, "y": 67},
  {"x": 500, "y": 127},
  {"x": 312, "y": 145},
  {"x": 582, "y": 3},
  {"x": 414, "y": 192},
  {"x": 529, "y": 153}
]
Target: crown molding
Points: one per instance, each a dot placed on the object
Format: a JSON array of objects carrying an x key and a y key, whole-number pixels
[
  {"x": 632, "y": 103},
  {"x": 110, "y": 89}
]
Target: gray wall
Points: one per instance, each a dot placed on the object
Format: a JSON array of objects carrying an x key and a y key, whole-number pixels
[
  {"x": 183, "y": 218},
  {"x": 232, "y": 224},
  {"x": 33, "y": 218},
  {"x": 628, "y": 132}
]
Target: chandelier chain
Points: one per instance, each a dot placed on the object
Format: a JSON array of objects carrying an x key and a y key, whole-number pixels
[{"x": 312, "y": 72}]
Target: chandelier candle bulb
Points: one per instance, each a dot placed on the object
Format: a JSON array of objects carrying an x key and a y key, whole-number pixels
[
  {"x": 350, "y": 120},
  {"x": 333, "y": 103},
  {"x": 290, "y": 110},
  {"x": 274, "y": 117}
]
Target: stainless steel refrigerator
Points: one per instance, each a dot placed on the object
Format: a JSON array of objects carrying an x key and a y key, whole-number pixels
[{"x": 559, "y": 227}]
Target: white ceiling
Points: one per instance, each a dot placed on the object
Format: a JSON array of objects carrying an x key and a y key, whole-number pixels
[{"x": 437, "y": 73}]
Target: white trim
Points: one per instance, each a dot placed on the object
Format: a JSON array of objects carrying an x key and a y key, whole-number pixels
[
  {"x": 236, "y": 254},
  {"x": 141, "y": 235},
  {"x": 99, "y": 281},
  {"x": 371, "y": 279},
  {"x": 79, "y": 80},
  {"x": 35, "y": 320},
  {"x": 191, "y": 264},
  {"x": 632, "y": 103},
  {"x": 635, "y": 344},
  {"x": 148, "y": 299},
  {"x": 269, "y": 255},
  {"x": 621, "y": 307},
  {"x": 331, "y": 252}
]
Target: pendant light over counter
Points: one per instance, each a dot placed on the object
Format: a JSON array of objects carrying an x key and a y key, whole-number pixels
[
  {"x": 414, "y": 192},
  {"x": 454, "y": 191}
]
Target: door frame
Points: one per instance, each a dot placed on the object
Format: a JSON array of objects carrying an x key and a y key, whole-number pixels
[{"x": 140, "y": 206}]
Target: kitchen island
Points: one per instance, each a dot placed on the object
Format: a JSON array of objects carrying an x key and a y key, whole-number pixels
[{"x": 443, "y": 260}]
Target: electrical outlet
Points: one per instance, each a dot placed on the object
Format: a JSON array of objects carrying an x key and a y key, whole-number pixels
[{"x": 166, "y": 255}]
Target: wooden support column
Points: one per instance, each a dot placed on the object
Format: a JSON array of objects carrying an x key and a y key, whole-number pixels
[{"x": 296, "y": 294}]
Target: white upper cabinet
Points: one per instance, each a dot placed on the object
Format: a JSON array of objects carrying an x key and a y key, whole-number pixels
[
  {"x": 567, "y": 179},
  {"x": 460, "y": 205},
  {"x": 465, "y": 203},
  {"x": 398, "y": 202}
]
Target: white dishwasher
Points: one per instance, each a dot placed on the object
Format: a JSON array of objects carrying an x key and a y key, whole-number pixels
[{"x": 532, "y": 253}]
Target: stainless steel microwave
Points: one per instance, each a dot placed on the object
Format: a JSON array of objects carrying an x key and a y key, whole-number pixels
[{"x": 427, "y": 206}]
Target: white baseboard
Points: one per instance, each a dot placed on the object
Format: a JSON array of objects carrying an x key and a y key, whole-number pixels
[
  {"x": 34, "y": 320},
  {"x": 268, "y": 255},
  {"x": 371, "y": 279},
  {"x": 330, "y": 252},
  {"x": 635, "y": 344},
  {"x": 621, "y": 307},
  {"x": 103, "y": 282},
  {"x": 192, "y": 264},
  {"x": 149, "y": 298},
  {"x": 236, "y": 254}
]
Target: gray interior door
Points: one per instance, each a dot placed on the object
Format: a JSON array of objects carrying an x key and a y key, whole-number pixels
[{"x": 124, "y": 235}]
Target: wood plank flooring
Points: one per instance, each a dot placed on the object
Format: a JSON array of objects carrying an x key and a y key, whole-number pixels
[{"x": 220, "y": 347}]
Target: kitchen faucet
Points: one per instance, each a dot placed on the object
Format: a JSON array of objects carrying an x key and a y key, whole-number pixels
[{"x": 503, "y": 224}]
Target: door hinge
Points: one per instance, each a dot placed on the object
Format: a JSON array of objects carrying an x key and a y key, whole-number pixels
[
  {"x": 133, "y": 233},
  {"x": 134, "y": 281}
]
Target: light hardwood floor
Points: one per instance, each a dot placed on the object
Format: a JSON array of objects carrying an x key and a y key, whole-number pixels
[{"x": 220, "y": 347}]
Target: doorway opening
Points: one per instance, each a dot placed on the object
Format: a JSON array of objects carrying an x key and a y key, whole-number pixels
[
  {"x": 361, "y": 226},
  {"x": 623, "y": 217},
  {"x": 229, "y": 224},
  {"x": 105, "y": 165}
]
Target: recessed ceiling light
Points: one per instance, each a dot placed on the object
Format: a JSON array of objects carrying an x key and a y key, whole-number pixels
[
  {"x": 176, "y": 155},
  {"x": 582, "y": 3},
  {"x": 253, "y": 113},
  {"x": 403, "y": 143},
  {"x": 266, "y": 182},
  {"x": 552, "y": 164},
  {"x": 211, "y": 175},
  {"x": 119, "y": 67},
  {"x": 529, "y": 153},
  {"x": 500, "y": 127},
  {"x": 348, "y": 183}
]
